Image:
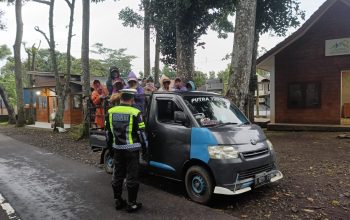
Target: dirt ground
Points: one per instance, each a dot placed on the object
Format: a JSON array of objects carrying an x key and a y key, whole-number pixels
[{"x": 316, "y": 168}]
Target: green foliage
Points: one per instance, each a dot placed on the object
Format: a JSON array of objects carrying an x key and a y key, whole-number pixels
[
  {"x": 212, "y": 75},
  {"x": 4, "y": 51},
  {"x": 199, "y": 78},
  {"x": 2, "y": 25},
  {"x": 130, "y": 18},
  {"x": 112, "y": 57},
  {"x": 169, "y": 72},
  {"x": 197, "y": 16},
  {"x": 8, "y": 81},
  {"x": 278, "y": 15},
  {"x": 224, "y": 76}
]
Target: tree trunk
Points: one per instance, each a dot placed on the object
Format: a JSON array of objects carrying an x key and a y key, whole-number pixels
[
  {"x": 253, "y": 83},
  {"x": 147, "y": 40},
  {"x": 18, "y": 64},
  {"x": 85, "y": 64},
  {"x": 66, "y": 90},
  {"x": 241, "y": 63},
  {"x": 156, "y": 60},
  {"x": 10, "y": 111},
  {"x": 184, "y": 51},
  {"x": 31, "y": 118},
  {"x": 59, "y": 90}
]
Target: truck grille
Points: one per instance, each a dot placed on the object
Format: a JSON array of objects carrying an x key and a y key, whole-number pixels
[
  {"x": 252, "y": 172},
  {"x": 256, "y": 153}
]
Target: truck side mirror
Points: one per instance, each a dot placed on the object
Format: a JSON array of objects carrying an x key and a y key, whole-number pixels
[{"x": 180, "y": 117}]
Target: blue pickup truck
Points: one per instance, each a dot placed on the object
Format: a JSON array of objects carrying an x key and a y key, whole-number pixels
[{"x": 203, "y": 140}]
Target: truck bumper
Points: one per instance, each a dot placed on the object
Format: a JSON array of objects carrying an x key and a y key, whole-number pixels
[{"x": 246, "y": 185}]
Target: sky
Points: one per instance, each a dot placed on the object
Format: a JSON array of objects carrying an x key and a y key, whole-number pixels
[{"x": 107, "y": 29}]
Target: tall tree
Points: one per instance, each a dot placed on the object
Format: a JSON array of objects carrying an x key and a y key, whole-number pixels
[
  {"x": 131, "y": 18},
  {"x": 66, "y": 91},
  {"x": 147, "y": 38},
  {"x": 18, "y": 64},
  {"x": 242, "y": 54},
  {"x": 85, "y": 44},
  {"x": 51, "y": 41}
]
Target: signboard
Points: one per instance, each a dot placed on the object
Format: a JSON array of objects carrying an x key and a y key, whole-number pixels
[{"x": 336, "y": 47}]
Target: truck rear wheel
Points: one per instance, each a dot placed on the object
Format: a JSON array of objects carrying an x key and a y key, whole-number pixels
[
  {"x": 108, "y": 161},
  {"x": 199, "y": 184}
]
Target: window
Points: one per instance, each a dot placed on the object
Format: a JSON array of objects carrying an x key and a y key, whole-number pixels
[
  {"x": 42, "y": 102},
  {"x": 166, "y": 109},
  {"x": 304, "y": 95}
]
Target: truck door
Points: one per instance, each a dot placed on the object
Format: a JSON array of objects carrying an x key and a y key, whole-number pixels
[{"x": 169, "y": 141}]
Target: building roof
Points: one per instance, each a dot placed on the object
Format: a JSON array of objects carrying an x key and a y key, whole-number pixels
[
  {"x": 265, "y": 60},
  {"x": 47, "y": 74}
]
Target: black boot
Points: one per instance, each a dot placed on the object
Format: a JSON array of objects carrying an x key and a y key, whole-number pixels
[
  {"x": 120, "y": 203},
  {"x": 133, "y": 206}
]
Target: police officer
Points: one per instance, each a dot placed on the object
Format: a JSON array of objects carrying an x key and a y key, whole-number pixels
[{"x": 126, "y": 134}]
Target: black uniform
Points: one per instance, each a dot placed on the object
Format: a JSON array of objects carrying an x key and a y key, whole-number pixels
[{"x": 127, "y": 137}]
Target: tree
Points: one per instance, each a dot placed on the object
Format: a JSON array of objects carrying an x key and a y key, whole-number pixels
[
  {"x": 85, "y": 44},
  {"x": 243, "y": 46},
  {"x": 131, "y": 18},
  {"x": 51, "y": 41},
  {"x": 31, "y": 53},
  {"x": 66, "y": 92},
  {"x": 169, "y": 72},
  {"x": 114, "y": 57},
  {"x": 182, "y": 23},
  {"x": 18, "y": 64},
  {"x": 199, "y": 78}
]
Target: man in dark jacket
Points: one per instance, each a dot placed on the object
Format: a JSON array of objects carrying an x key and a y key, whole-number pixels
[{"x": 126, "y": 134}]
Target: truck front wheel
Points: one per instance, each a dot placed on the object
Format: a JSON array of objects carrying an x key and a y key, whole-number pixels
[
  {"x": 199, "y": 184},
  {"x": 108, "y": 161}
]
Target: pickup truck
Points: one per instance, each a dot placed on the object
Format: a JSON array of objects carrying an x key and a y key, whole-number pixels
[{"x": 203, "y": 140}]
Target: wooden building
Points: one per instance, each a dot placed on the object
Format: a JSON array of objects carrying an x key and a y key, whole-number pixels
[
  {"x": 44, "y": 85},
  {"x": 310, "y": 70}
]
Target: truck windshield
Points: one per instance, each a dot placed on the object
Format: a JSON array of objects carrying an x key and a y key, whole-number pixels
[{"x": 212, "y": 111}]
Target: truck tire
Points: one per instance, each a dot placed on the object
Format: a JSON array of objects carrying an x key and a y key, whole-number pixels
[
  {"x": 108, "y": 161},
  {"x": 199, "y": 184}
]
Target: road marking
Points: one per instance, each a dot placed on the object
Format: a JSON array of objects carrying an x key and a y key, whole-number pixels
[{"x": 8, "y": 209}]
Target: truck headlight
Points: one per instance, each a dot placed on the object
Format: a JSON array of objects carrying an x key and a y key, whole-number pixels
[
  {"x": 222, "y": 152},
  {"x": 269, "y": 145}
]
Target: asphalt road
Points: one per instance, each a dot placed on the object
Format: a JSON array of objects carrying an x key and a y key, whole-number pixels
[{"x": 41, "y": 185}]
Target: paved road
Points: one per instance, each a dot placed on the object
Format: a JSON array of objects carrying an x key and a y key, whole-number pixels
[{"x": 41, "y": 185}]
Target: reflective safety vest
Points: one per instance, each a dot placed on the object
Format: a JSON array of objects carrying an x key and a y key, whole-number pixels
[{"x": 125, "y": 124}]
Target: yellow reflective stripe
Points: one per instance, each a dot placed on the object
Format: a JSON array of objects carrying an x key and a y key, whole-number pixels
[
  {"x": 130, "y": 130},
  {"x": 111, "y": 126},
  {"x": 142, "y": 125}
]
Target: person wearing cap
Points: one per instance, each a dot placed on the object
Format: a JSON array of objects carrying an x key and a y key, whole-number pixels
[
  {"x": 178, "y": 86},
  {"x": 149, "y": 88},
  {"x": 164, "y": 83},
  {"x": 190, "y": 86},
  {"x": 113, "y": 75},
  {"x": 140, "y": 93},
  {"x": 126, "y": 135},
  {"x": 97, "y": 97}
]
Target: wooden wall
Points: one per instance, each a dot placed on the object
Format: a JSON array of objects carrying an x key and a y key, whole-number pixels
[{"x": 305, "y": 61}]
